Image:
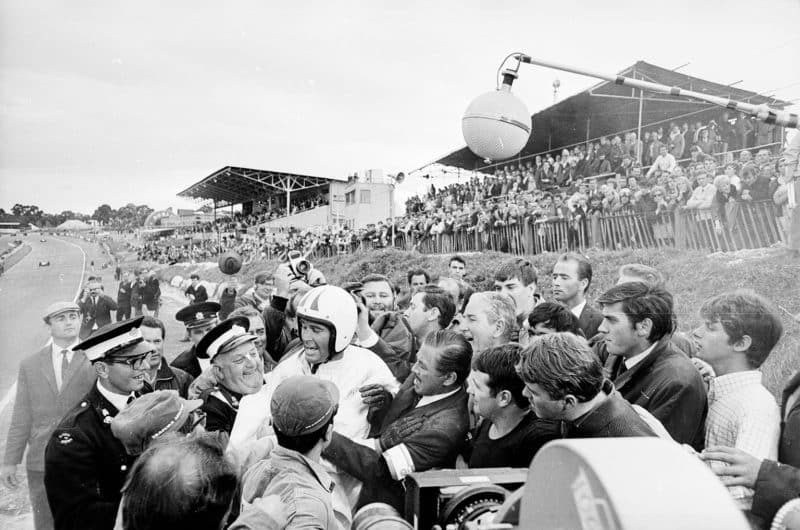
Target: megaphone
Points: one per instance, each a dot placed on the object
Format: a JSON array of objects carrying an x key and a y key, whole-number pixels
[
  {"x": 230, "y": 263},
  {"x": 400, "y": 177}
]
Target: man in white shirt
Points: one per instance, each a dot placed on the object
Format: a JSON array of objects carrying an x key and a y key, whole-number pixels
[
  {"x": 50, "y": 383},
  {"x": 664, "y": 162},
  {"x": 572, "y": 276},
  {"x": 738, "y": 332}
]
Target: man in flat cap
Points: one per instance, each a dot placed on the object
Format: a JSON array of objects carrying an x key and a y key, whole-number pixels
[
  {"x": 237, "y": 367},
  {"x": 50, "y": 383},
  {"x": 85, "y": 464},
  {"x": 303, "y": 408},
  {"x": 198, "y": 319}
]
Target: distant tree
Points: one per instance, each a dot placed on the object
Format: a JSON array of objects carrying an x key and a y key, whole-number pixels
[
  {"x": 28, "y": 212},
  {"x": 103, "y": 214}
]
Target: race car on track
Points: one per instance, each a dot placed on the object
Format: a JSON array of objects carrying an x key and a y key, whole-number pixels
[
  {"x": 43, "y": 240},
  {"x": 44, "y": 263}
]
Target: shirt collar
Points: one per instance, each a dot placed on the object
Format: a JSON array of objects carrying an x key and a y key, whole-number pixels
[
  {"x": 427, "y": 400},
  {"x": 57, "y": 349},
  {"x": 578, "y": 309},
  {"x": 118, "y": 400},
  {"x": 723, "y": 385},
  {"x": 639, "y": 357},
  {"x": 316, "y": 469}
]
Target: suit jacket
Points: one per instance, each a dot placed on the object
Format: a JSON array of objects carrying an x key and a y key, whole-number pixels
[
  {"x": 589, "y": 320},
  {"x": 39, "y": 405},
  {"x": 396, "y": 346},
  {"x": 124, "y": 294},
  {"x": 99, "y": 313},
  {"x": 436, "y": 444},
  {"x": 86, "y": 466},
  {"x": 789, "y": 448},
  {"x": 666, "y": 384},
  {"x": 614, "y": 418}
]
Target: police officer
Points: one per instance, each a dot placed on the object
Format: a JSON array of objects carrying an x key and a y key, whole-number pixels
[
  {"x": 198, "y": 319},
  {"x": 85, "y": 465},
  {"x": 237, "y": 367}
]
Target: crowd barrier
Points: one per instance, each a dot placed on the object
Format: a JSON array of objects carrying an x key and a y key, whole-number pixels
[{"x": 746, "y": 225}]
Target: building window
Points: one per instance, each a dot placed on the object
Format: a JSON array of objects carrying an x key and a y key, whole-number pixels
[
  {"x": 350, "y": 198},
  {"x": 365, "y": 197}
]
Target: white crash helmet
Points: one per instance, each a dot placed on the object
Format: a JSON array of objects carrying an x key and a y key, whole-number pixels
[{"x": 334, "y": 308}]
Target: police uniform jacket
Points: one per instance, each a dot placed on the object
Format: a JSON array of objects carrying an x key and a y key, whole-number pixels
[
  {"x": 221, "y": 407},
  {"x": 435, "y": 445},
  {"x": 188, "y": 362},
  {"x": 86, "y": 466}
]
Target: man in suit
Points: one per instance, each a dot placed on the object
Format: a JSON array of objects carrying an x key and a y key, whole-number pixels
[
  {"x": 638, "y": 320},
  {"x": 422, "y": 428},
  {"x": 124, "y": 298},
  {"x": 50, "y": 383},
  {"x": 152, "y": 293},
  {"x": 572, "y": 276},
  {"x": 96, "y": 307},
  {"x": 85, "y": 464}
]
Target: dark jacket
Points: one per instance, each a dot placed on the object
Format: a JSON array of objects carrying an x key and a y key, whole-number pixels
[
  {"x": 124, "y": 294},
  {"x": 96, "y": 313},
  {"x": 668, "y": 385},
  {"x": 435, "y": 444},
  {"x": 39, "y": 406},
  {"x": 86, "y": 466},
  {"x": 187, "y": 361},
  {"x": 274, "y": 319},
  {"x": 221, "y": 407},
  {"x": 151, "y": 292},
  {"x": 778, "y": 483},
  {"x": 613, "y": 418},
  {"x": 590, "y": 320},
  {"x": 396, "y": 346},
  {"x": 170, "y": 378}
]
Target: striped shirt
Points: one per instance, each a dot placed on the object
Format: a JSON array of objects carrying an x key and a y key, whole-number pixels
[{"x": 742, "y": 414}]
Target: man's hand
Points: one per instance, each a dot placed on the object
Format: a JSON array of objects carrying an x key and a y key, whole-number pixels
[
  {"x": 363, "y": 330},
  {"x": 204, "y": 382},
  {"x": 8, "y": 476},
  {"x": 742, "y": 468},
  {"x": 400, "y": 430},
  {"x": 375, "y": 396},
  {"x": 283, "y": 277}
]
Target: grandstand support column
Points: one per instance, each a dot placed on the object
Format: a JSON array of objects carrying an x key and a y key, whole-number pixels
[{"x": 639, "y": 143}]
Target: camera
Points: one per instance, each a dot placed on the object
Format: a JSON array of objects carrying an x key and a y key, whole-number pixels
[
  {"x": 459, "y": 498},
  {"x": 298, "y": 265}
]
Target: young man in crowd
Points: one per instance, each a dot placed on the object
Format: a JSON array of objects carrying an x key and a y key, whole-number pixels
[
  {"x": 572, "y": 276},
  {"x": 258, "y": 295},
  {"x": 457, "y": 268},
  {"x": 303, "y": 408},
  {"x": 517, "y": 278},
  {"x": 564, "y": 382},
  {"x": 417, "y": 278},
  {"x": 379, "y": 296},
  {"x": 259, "y": 331},
  {"x": 433, "y": 396},
  {"x": 50, "y": 383},
  {"x": 162, "y": 376},
  {"x": 198, "y": 319},
  {"x": 738, "y": 332},
  {"x": 196, "y": 292},
  {"x": 549, "y": 317},
  {"x": 647, "y": 370},
  {"x": 510, "y": 434},
  {"x": 489, "y": 320},
  {"x": 124, "y": 297},
  {"x": 85, "y": 464},
  {"x": 237, "y": 368}
]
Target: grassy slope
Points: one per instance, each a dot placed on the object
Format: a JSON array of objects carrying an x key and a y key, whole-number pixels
[{"x": 691, "y": 277}]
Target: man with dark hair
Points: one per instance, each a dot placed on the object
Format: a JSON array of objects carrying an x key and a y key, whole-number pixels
[
  {"x": 564, "y": 381},
  {"x": 422, "y": 428},
  {"x": 85, "y": 464},
  {"x": 638, "y": 321},
  {"x": 181, "y": 482},
  {"x": 549, "y": 317},
  {"x": 162, "y": 376},
  {"x": 517, "y": 278},
  {"x": 50, "y": 383},
  {"x": 152, "y": 293},
  {"x": 258, "y": 330},
  {"x": 303, "y": 409},
  {"x": 199, "y": 319},
  {"x": 431, "y": 309},
  {"x": 417, "y": 278},
  {"x": 739, "y": 331},
  {"x": 124, "y": 297},
  {"x": 258, "y": 296},
  {"x": 572, "y": 276},
  {"x": 196, "y": 292},
  {"x": 95, "y": 306},
  {"x": 510, "y": 434},
  {"x": 457, "y": 268}
]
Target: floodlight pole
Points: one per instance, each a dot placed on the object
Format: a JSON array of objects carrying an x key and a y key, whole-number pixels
[{"x": 761, "y": 112}]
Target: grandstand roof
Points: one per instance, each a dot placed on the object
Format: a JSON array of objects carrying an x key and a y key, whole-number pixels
[
  {"x": 236, "y": 185},
  {"x": 608, "y": 109}
]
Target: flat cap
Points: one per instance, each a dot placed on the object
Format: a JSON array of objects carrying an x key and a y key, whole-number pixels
[
  {"x": 113, "y": 340},
  {"x": 196, "y": 315},
  {"x": 150, "y": 416},
  {"x": 224, "y": 337},
  {"x": 303, "y": 404},
  {"x": 57, "y": 308}
]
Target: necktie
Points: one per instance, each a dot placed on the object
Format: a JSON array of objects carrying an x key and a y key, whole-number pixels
[{"x": 64, "y": 367}]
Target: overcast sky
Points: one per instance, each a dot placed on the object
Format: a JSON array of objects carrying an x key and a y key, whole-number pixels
[{"x": 114, "y": 102}]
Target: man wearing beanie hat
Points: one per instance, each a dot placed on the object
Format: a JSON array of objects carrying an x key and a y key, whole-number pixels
[
  {"x": 50, "y": 383},
  {"x": 85, "y": 464},
  {"x": 303, "y": 408}
]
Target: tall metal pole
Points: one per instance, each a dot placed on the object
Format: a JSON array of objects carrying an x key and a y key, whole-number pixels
[
  {"x": 391, "y": 209},
  {"x": 639, "y": 142}
]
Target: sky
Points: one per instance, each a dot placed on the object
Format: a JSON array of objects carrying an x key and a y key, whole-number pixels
[{"x": 114, "y": 102}]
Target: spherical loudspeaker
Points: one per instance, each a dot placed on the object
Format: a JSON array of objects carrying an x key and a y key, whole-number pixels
[
  {"x": 496, "y": 125},
  {"x": 230, "y": 263}
]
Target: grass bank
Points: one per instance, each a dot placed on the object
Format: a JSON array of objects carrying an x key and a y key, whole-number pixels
[{"x": 691, "y": 277}]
